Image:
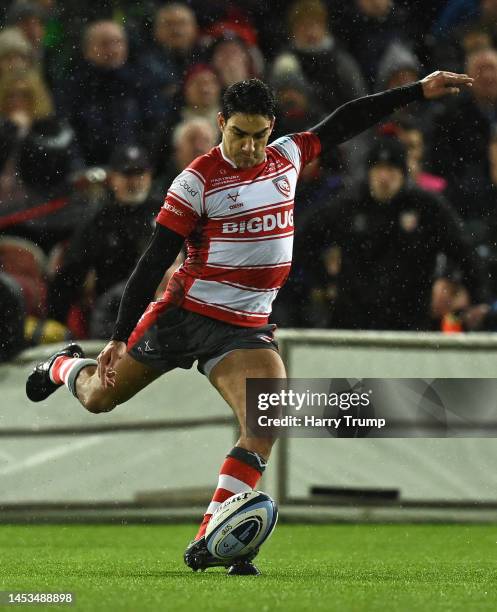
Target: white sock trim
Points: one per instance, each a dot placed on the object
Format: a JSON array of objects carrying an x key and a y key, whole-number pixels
[{"x": 232, "y": 484}]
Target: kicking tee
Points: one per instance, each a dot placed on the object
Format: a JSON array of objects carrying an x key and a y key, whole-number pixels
[{"x": 238, "y": 225}]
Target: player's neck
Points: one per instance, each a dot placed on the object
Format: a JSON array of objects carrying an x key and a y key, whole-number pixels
[{"x": 226, "y": 157}]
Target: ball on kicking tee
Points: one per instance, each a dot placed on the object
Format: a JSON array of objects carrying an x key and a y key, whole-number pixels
[{"x": 241, "y": 524}]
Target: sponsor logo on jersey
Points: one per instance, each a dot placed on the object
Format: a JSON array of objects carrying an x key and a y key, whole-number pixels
[
  {"x": 234, "y": 197},
  {"x": 221, "y": 180},
  {"x": 184, "y": 184},
  {"x": 273, "y": 165},
  {"x": 264, "y": 223},
  {"x": 173, "y": 209},
  {"x": 282, "y": 184}
]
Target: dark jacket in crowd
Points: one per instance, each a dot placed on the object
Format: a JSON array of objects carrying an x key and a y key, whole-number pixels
[
  {"x": 368, "y": 38},
  {"x": 167, "y": 68},
  {"x": 333, "y": 73},
  {"x": 108, "y": 108},
  {"x": 388, "y": 251},
  {"x": 110, "y": 243},
  {"x": 460, "y": 154}
]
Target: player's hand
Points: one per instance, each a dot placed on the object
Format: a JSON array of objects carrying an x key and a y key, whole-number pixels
[
  {"x": 440, "y": 83},
  {"x": 107, "y": 361}
]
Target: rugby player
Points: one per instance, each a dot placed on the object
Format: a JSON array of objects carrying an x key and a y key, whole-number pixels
[{"x": 234, "y": 208}]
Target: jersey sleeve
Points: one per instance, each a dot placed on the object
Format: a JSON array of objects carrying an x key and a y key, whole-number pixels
[
  {"x": 300, "y": 148},
  {"x": 183, "y": 204}
]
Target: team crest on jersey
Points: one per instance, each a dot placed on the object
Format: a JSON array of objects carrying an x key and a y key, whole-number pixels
[{"x": 282, "y": 184}]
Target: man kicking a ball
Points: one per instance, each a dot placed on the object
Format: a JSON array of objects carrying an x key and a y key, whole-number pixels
[{"x": 234, "y": 208}]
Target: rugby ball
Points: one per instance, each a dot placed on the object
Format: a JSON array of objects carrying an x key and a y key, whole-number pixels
[{"x": 241, "y": 524}]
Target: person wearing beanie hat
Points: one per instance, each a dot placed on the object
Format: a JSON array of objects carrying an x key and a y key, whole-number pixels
[
  {"x": 389, "y": 151},
  {"x": 398, "y": 66},
  {"x": 387, "y": 162}
]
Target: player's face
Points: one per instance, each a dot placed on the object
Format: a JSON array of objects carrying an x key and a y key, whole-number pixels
[{"x": 245, "y": 138}]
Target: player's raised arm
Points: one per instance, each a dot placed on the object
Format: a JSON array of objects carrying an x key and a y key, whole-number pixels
[
  {"x": 358, "y": 115},
  {"x": 140, "y": 288}
]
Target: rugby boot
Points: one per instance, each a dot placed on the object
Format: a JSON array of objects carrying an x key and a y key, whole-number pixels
[
  {"x": 198, "y": 557},
  {"x": 39, "y": 384}
]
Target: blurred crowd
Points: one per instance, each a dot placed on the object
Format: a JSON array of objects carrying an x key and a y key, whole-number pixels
[{"x": 102, "y": 104}]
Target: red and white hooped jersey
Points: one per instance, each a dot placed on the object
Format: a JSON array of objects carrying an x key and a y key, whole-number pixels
[{"x": 238, "y": 225}]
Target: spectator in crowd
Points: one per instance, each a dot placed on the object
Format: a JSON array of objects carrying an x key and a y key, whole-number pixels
[
  {"x": 190, "y": 139},
  {"x": 233, "y": 59},
  {"x": 409, "y": 132},
  {"x": 16, "y": 53},
  {"x": 399, "y": 66},
  {"x": 110, "y": 241},
  {"x": 296, "y": 110},
  {"x": 28, "y": 17},
  {"x": 468, "y": 38},
  {"x": 452, "y": 14},
  {"x": 317, "y": 55},
  {"x": 461, "y": 154},
  {"x": 174, "y": 48},
  {"x": 374, "y": 251},
  {"x": 297, "y": 105},
  {"x": 334, "y": 76},
  {"x": 106, "y": 100},
  {"x": 24, "y": 98},
  {"x": 369, "y": 27},
  {"x": 202, "y": 94},
  {"x": 47, "y": 159}
]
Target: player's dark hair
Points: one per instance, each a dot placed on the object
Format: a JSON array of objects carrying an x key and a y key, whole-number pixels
[{"x": 250, "y": 97}]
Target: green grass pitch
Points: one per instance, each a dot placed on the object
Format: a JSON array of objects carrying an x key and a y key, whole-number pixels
[{"x": 335, "y": 567}]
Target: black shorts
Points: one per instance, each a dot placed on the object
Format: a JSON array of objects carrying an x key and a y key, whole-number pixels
[{"x": 177, "y": 338}]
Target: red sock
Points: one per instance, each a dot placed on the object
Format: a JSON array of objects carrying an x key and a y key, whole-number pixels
[
  {"x": 240, "y": 472},
  {"x": 61, "y": 368}
]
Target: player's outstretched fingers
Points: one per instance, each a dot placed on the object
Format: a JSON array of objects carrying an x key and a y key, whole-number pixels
[{"x": 439, "y": 84}]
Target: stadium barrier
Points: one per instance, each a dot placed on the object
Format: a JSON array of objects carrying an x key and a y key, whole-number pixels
[{"x": 54, "y": 455}]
